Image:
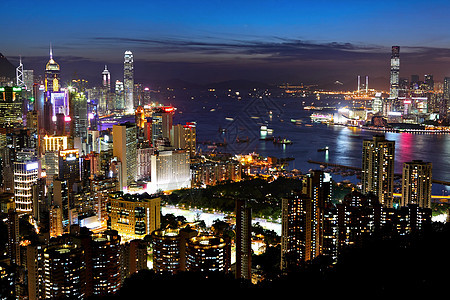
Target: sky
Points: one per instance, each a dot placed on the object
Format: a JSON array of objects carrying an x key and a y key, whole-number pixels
[{"x": 206, "y": 41}]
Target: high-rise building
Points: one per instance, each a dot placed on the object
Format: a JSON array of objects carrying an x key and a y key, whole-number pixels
[
  {"x": 64, "y": 271},
  {"x": 170, "y": 170},
  {"x": 243, "y": 240},
  {"x": 125, "y": 149},
  {"x": 69, "y": 166},
  {"x": 128, "y": 81},
  {"x": 207, "y": 253},
  {"x": 428, "y": 82},
  {"x": 144, "y": 158},
  {"x": 55, "y": 221},
  {"x": 79, "y": 115},
  {"x": 61, "y": 205},
  {"x": 377, "y": 174},
  {"x": 296, "y": 234},
  {"x": 416, "y": 183},
  {"x": 119, "y": 94},
  {"x": 162, "y": 122},
  {"x": 166, "y": 250},
  {"x": 446, "y": 88},
  {"x": 51, "y": 77},
  {"x": 100, "y": 188},
  {"x": 169, "y": 249},
  {"x": 106, "y": 275},
  {"x": 134, "y": 215},
  {"x": 358, "y": 215},
  {"x": 11, "y": 107},
  {"x": 133, "y": 257},
  {"x": 106, "y": 78},
  {"x": 13, "y": 246},
  {"x": 25, "y": 176},
  {"x": 184, "y": 137},
  {"x": 395, "y": 72}
]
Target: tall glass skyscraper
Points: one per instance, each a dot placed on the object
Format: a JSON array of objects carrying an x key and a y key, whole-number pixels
[
  {"x": 128, "y": 81},
  {"x": 395, "y": 71}
]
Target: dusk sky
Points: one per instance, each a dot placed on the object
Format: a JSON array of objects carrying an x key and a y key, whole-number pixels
[{"x": 206, "y": 41}]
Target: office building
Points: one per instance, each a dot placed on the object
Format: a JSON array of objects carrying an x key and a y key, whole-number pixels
[
  {"x": 51, "y": 76},
  {"x": 79, "y": 116},
  {"x": 11, "y": 114},
  {"x": 416, "y": 183},
  {"x": 125, "y": 149},
  {"x": 128, "y": 82},
  {"x": 54, "y": 143},
  {"x": 25, "y": 176},
  {"x": 69, "y": 166},
  {"x": 162, "y": 122},
  {"x": 119, "y": 103},
  {"x": 106, "y": 78},
  {"x": 134, "y": 215},
  {"x": 378, "y": 169},
  {"x": 170, "y": 170},
  {"x": 395, "y": 72}
]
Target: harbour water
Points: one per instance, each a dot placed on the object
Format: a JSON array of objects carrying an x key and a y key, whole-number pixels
[{"x": 224, "y": 120}]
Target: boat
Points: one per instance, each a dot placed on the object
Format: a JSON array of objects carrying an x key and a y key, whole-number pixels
[
  {"x": 229, "y": 119},
  {"x": 323, "y": 149},
  {"x": 283, "y": 141}
]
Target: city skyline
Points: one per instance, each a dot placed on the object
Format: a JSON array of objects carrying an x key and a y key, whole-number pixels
[{"x": 271, "y": 42}]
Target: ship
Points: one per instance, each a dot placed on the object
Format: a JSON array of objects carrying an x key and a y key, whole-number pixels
[
  {"x": 323, "y": 149},
  {"x": 283, "y": 141}
]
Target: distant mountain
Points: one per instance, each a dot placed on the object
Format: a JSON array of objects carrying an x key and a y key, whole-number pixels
[
  {"x": 7, "y": 69},
  {"x": 238, "y": 85}
]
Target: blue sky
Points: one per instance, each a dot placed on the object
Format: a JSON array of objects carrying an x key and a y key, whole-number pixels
[{"x": 183, "y": 38}]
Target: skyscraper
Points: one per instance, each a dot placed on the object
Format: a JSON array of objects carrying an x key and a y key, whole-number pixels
[
  {"x": 51, "y": 78},
  {"x": 378, "y": 169},
  {"x": 25, "y": 175},
  {"x": 243, "y": 240},
  {"x": 395, "y": 71},
  {"x": 106, "y": 78},
  {"x": 207, "y": 253},
  {"x": 416, "y": 183},
  {"x": 128, "y": 81},
  {"x": 125, "y": 148},
  {"x": 119, "y": 93},
  {"x": 162, "y": 122}
]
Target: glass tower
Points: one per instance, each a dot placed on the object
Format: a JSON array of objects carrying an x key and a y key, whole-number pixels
[
  {"x": 128, "y": 81},
  {"x": 395, "y": 70}
]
